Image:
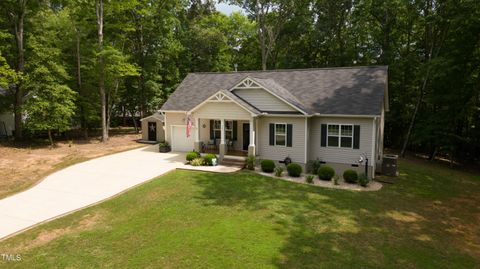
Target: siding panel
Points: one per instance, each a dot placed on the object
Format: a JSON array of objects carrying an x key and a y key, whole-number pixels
[
  {"x": 263, "y": 100},
  {"x": 296, "y": 152},
  {"x": 341, "y": 155},
  {"x": 218, "y": 110}
]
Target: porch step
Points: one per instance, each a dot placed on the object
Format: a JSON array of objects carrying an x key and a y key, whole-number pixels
[{"x": 232, "y": 162}]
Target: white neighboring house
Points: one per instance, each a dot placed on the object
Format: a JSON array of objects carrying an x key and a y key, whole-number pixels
[
  {"x": 335, "y": 115},
  {"x": 7, "y": 122}
]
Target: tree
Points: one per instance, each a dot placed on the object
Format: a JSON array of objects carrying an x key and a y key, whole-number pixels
[
  {"x": 50, "y": 103},
  {"x": 101, "y": 69}
]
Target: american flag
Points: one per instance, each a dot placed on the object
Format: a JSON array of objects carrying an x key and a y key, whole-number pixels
[{"x": 189, "y": 126}]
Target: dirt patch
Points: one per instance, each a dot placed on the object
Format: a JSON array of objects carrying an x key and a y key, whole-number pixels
[
  {"x": 404, "y": 216},
  {"x": 22, "y": 167},
  {"x": 87, "y": 222}
]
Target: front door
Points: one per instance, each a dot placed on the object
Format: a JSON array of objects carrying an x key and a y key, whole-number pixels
[
  {"x": 246, "y": 135},
  {"x": 152, "y": 131}
]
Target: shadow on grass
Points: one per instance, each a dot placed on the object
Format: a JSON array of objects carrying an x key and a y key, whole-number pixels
[{"x": 335, "y": 228}]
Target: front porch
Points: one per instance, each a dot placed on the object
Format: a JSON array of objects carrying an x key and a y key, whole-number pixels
[{"x": 225, "y": 137}]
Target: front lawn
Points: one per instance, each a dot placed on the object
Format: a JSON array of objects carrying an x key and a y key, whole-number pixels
[{"x": 427, "y": 219}]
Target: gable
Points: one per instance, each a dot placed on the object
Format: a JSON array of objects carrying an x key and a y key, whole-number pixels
[
  {"x": 263, "y": 100},
  {"x": 261, "y": 96}
]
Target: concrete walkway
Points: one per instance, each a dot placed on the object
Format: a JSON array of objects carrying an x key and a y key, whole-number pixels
[{"x": 83, "y": 184}]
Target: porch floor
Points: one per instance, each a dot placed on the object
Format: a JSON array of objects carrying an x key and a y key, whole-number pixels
[{"x": 231, "y": 152}]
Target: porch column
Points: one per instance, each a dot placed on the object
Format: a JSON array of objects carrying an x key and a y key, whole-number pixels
[
  {"x": 251, "y": 146},
  {"x": 222, "y": 146},
  {"x": 197, "y": 144}
]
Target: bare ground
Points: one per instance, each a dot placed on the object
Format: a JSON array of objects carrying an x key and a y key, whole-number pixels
[{"x": 23, "y": 166}]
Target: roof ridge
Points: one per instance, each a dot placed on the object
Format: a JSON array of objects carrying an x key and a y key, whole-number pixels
[{"x": 295, "y": 69}]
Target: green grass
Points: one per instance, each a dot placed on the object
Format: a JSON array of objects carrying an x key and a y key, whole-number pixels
[{"x": 427, "y": 219}]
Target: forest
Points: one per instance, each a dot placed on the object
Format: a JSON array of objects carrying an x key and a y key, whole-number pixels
[{"x": 84, "y": 64}]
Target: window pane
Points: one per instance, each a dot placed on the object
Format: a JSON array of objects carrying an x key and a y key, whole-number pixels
[
  {"x": 333, "y": 141},
  {"x": 280, "y": 140},
  {"x": 217, "y": 134},
  {"x": 229, "y": 125},
  {"x": 217, "y": 124},
  {"x": 332, "y": 129},
  {"x": 280, "y": 128},
  {"x": 347, "y": 130},
  {"x": 228, "y": 135},
  {"x": 346, "y": 142}
]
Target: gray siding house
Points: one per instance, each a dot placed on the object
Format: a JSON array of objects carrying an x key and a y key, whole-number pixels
[{"x": 331, "y": 114}]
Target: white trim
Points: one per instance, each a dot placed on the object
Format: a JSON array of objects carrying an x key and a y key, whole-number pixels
[
  {"x": 374, "y": 143},
  {"x": 344, "y": 115},
  {"x": 306, "y": 138},
  {"x": 275, "y": 134},
  {"x": 340, "y": 135},
  {"x": 207, "y": 100},
  {"x": 165, "y": 128},
  {"x": 172, "y": 111},
  {"x": 269, "y": 91},
  {"x": 152, "y": 116}
]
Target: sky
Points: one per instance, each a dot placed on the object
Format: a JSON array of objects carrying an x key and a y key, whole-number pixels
[{"x": 227, "y": 9}]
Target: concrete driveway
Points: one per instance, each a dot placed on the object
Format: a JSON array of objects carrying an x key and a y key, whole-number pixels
[{"x": 83, "y": 184}]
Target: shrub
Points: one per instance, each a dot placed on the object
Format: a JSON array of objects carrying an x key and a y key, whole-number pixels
[
  {"x": 350, "y": 176},
  {"x": 294, "y": 170},
  {"x": 278, "y": 171},
  {"x": 250, "y": 162},
  {"x": 309, "y": 178},
  {"x": 335, "y": 180},
  {"x": 197, "y": 162},
  {"x": 267, "y": 166},
  {"x": 193, "y": 155},
  {"x": 208, "y": 158},
  {"x": 313, "y": 166},
  {"x": 326, "y": 172},
  {"x": 363, "y": 180}
]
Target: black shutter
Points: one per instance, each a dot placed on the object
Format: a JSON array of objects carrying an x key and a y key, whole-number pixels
[
  {"x": 356, "y": 136},
  {"x": 272, "y": 134},
  {"x": 289, "y": 135},
  {"x": 234, "y": 130},
  {"x": 212, "y": 135},
  {"x": 323, "y": 135}
]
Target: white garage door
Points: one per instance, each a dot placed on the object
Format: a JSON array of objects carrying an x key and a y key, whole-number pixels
[{"x": 180, "y": 142}]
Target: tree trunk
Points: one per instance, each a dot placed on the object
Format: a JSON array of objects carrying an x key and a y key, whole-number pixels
[
  {"x": 83, "y": 119},
  {"x": 19, "y": 93},
  {"x": 101, "y": 63},
  {"x": 132, "y": 113},
  {"x": 50, "y": 137},
  {"x": 414, "y": 116}
]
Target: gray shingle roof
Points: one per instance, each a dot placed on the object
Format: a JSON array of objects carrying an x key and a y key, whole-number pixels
[{"x": 347, "y": 90}]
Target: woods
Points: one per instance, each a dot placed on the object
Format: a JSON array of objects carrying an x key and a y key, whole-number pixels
[{"x": 70, "y": 64}]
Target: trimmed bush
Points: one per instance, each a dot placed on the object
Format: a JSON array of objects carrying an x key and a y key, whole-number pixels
[
  {"x": 350, "y": 176},
  {"x": 335, "y": 180},
  {"x": 326, "y": 172},
  {"x": 309, "y": 178},
  {"x": 294, "y": 170},
  {"x": 208, "y": 158},
  {"x": 250, "y": 162},
  {"x": 197, "y": 162},
  {"x": 363, "y": 180},
  {"x": 278, "y": 171},
  {"x": 192, "y": 155},
  {"x": 267, "y": 166},
  {"x": 313, "y": 166}
]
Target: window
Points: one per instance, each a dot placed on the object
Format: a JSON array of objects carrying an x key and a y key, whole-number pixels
[
  {"x": 217, "y": 129},
  {"x": 280, "y": 134},
  {"x": 339, "y": 135}
]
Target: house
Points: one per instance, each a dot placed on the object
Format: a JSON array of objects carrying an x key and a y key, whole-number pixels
[
  {"x": 333, "y": 114},
  {"x": 153, "y": 128},
  {"x": 7, "y": 120}
]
